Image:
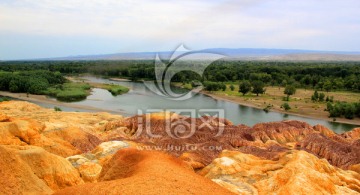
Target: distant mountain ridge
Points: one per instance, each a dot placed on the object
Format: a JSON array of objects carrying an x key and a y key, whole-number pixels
[{"x": 231, "y": 54}]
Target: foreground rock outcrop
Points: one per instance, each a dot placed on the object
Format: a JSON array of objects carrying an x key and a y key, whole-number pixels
[
  {"x": 31, "y": 169},
  {"x": 43, "y": 151},
  {"x": 297, "y": 172},
  {"x": 131, "y": 171}
]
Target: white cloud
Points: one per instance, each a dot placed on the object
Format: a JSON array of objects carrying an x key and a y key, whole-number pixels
[{"x": 151, "y": 25}]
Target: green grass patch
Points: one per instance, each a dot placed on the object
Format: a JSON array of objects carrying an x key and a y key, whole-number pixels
[
  {"x": 115, "y": 89},
  {"x": 69, "y": 92}
]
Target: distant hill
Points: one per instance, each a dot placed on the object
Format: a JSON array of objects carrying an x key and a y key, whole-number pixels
[{"x": 232, "y": 54}]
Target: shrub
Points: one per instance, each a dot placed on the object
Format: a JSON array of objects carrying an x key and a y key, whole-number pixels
[
  {"x": 286, "y": 106},
  {"x": 232, "y": 87},
  {"x": 4, "y": 99},
  {"x": 214, "y": 86},
  {"x": 57, "y": 109}
]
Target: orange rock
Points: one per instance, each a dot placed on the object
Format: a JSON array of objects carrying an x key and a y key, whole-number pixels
[
  {"x": 263, "y": 159},
  {"x": 93, "y": 123},
  {"x": 132, "y": 171},
  {"x": 282, "y": 132},
  {"x": 89, "y": 171},
  {"x": 23, "y": 132},
  {"x": 56, "y": 171},
  {"x": 353, "y": 134},
  {"x": 16, "y": 177},
  {"x": 90, "y": 164},
  {"x": 323, "y": 130},
  {"x": 19, "y": 132},
  {"x": 4, "y": 118},
  {"x": 30, "y": 169},
  {"x": 337, "y": 150},
  {"x": 81, "y": 140}
]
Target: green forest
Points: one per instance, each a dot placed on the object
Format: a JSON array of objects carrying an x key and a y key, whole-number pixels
[
  {"x": 34, "y": 82},
  {"x": 326, "y": 76}
]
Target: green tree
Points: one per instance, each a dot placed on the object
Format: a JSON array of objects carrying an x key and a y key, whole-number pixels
[
  {"x": 37, "y": 85},
  {"x": 327, "y": 86},
  {"x": 5, "y": 79},
  {"x": 258, "y": 87},
  {"x": 244, "y": 87},
  {"x": 220, "y": 77},
  {"x": 17, "y": 84},
  {"x": 349, "y": 111},
  {"x": 306, "y": 80},
  {"x": 232, "y": 87},
  {"x": 315, "y": 96},
  {"x": 289, "y": 90}
]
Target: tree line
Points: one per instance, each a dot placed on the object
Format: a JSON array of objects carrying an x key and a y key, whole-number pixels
[
  {"x": 325, "y": 76},
  {"x": 34, "y": 82}
]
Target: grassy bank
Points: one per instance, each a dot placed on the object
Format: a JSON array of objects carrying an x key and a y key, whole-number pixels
[
  {"x": 273, "y": 99},
  {"x": 112, "y": 88},
  {"x": 69, "y": 92}
]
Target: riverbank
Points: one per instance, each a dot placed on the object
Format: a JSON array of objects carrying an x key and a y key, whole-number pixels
[
  {"x": 259, "y": 102},
  {"x": 45, "y": 100}
]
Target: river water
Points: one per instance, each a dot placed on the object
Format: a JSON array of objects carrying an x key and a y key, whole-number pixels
[{"x": 139, "y": 98}]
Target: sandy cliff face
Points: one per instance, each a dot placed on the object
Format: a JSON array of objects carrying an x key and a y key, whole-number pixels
[{"x": 43, "y": 151}]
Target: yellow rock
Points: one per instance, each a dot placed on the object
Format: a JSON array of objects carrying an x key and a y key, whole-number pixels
[
  {"x": 89, "y": 171},
  {"x": 297, "y": 172},
  {"x": 31, "y": 169}
]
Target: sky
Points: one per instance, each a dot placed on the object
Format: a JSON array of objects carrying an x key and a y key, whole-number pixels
[{"x": 47, "y": 28}]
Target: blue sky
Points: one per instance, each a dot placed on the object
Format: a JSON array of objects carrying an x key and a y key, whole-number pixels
[{"x": 48, "y": 28}]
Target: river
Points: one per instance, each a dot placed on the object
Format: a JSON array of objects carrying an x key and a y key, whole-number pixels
[{"x": 140, "y": 98}]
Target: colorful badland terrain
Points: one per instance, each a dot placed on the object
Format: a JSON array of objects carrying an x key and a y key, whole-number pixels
[{"x": 44, "y": 152}]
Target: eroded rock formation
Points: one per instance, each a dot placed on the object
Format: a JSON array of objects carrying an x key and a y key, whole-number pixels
[
  {"x": 43, "y": 151},
  {"x": 266, "y": 140},
  {"x": 132, "y": 171},
  {"x": 296, "y": 172},
  {"x": 31, "y": 169}
]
